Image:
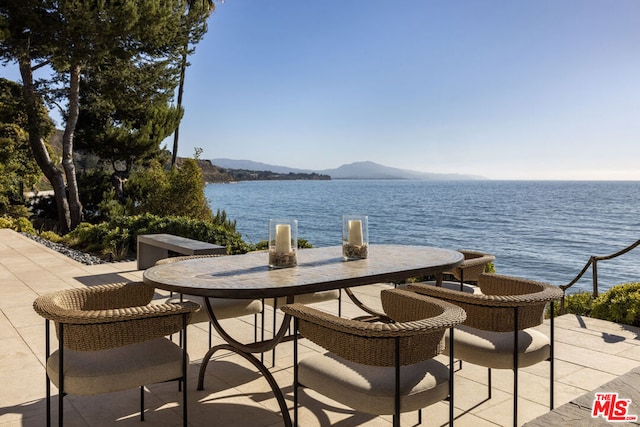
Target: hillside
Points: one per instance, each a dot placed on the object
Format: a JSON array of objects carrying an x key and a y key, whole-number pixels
[
  {"x": 213, "y": 173},
  {"x": 357, "y": 170}
]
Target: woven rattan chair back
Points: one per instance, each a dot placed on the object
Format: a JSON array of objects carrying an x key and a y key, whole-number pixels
[
  {"x": 116, "y": 316},
  {"x": 507, "y": 305},
  {"x": 415, "y": 334}
]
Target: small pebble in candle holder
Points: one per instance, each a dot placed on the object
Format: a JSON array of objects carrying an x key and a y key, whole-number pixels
[
  {"x": 355, "y": 251},
  {"x": 282, "y": 260}
]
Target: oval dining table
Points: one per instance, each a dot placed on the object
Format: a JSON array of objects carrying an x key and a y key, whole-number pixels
[{"x": 318, "y": 269}]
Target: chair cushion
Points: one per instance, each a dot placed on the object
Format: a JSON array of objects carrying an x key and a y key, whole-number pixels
[
  {"x": 311, "y": 298},
  {"x": 371, "y": 389},
  {"x": 224, "y": 308},
  {"x": 495, "y": 349},
  {"x": 117, "y": 369}
]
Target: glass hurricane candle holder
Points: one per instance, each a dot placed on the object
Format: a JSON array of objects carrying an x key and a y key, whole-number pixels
[
  {"x": 283, "y": 243},
  {"x": 355, "y": 237}
]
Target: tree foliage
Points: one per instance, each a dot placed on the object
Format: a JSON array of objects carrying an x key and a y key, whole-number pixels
[
  {"x": 79, "y": 38},
  {"x": 118, "y": 235},
  {"x": 126, "y": 106},
  {"x": 18, "y": 170},
  {"x": 175, "y": 192}
]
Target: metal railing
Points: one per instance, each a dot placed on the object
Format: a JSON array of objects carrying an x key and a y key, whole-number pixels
[{"x": 593, "y": 262}]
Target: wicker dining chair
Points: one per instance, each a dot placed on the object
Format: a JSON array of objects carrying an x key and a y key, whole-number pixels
[
  {"x": 499, "y": 330},
  {"x": 224, "y": 308},
  {"x": 375, "y": 367},
  {"x": 111, "y": 339},
  {"x": 472, "y": 267}
]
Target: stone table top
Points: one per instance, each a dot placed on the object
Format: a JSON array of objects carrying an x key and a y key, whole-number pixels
[{"x": 318, "y": 269}]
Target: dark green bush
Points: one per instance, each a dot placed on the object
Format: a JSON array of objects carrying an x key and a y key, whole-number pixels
[
  {"x": 51, "y": 236},
  {"x": 620, "y": 304},
  {"x": 119, "y": 235},
  {"x": 263, "y": 245},
  {"x": 92, "y": 186},
  {"x": 21, "y": 224},
  {"x": 578, "y": 303},
  {"x": 178, "y": 191}
]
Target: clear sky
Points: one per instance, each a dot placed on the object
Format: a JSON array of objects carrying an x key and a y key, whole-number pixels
[{"x": 528, "y": 89}]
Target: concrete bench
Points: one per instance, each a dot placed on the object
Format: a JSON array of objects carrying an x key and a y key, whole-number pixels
[{"x": 153, "y": 247}]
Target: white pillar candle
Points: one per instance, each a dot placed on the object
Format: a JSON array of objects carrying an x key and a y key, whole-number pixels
[
  {"x": 283, "y": 238},
  {"x": 355, "y": 232}
]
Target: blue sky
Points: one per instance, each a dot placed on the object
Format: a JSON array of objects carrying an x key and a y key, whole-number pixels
[{"x": 544, "y": 89}]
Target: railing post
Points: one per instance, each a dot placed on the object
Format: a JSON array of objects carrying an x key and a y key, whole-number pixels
[{"x": 595, "y": 277}]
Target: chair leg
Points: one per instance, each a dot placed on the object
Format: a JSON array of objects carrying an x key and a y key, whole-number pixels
[
  {"x": 262, "y": 330},
  {"x": 451, "y": 379},
  {"x": 180, "y": 333},
  {"x": 184, "y": 371},
  {"x": 339, "y": 302},
  {"x": 141, "y": 403},
  {"x": 255, "y": 328},
  {"x": 551, "y": 367},
  {"x": 489, "y": 382},
  {"x": 46, "y": 374},
  {"x": 275, "y": 313},
  {"x": 60, "y": 376},
  {"x": 396, "y": 415},
  {"x": 515, "y": 367},
  {"x": 295, "y": 373}
]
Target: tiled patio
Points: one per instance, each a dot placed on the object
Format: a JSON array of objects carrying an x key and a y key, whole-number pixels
[{"x": 589, "y": 353}]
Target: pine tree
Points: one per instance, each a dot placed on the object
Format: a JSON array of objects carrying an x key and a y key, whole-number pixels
[{"x": 71, "y": 37}]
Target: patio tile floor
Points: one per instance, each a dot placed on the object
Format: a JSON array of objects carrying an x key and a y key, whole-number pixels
[{"x": 589, "y": 353}]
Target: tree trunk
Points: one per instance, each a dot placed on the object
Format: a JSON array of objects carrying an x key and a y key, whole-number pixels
[
  {"x": 75, "y": 207},
  {"x": 37, "y": 143},
  {"x": 183, "y": 67}
]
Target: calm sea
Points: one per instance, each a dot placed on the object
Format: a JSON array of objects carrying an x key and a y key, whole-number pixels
[{"x": 539, "y": 230}]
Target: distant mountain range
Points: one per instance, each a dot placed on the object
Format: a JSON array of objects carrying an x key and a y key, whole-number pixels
[{"x": 357, "y": 170}]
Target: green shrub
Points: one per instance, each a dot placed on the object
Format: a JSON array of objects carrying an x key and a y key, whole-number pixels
[
  {"x": 51, "y": 236},
  {"x": 178, "y": 191},
  {"x": 88, "y": 238},
  {"x": 118, "y": 236},
  {"x": 264, "y": 245},
  {"x": 118, "y": 241},
  {"x": 15, "y": 211},
  {"x": 579, "y": 303},
  {"x": 620, "y": 304},
  {"x": 21, "y": 224},
  {"x": 6, "y": 222},
  {"x": 93, "y": 185}
]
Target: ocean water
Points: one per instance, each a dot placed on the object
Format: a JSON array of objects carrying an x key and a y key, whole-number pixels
[{"x": 541, "y": 230}]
